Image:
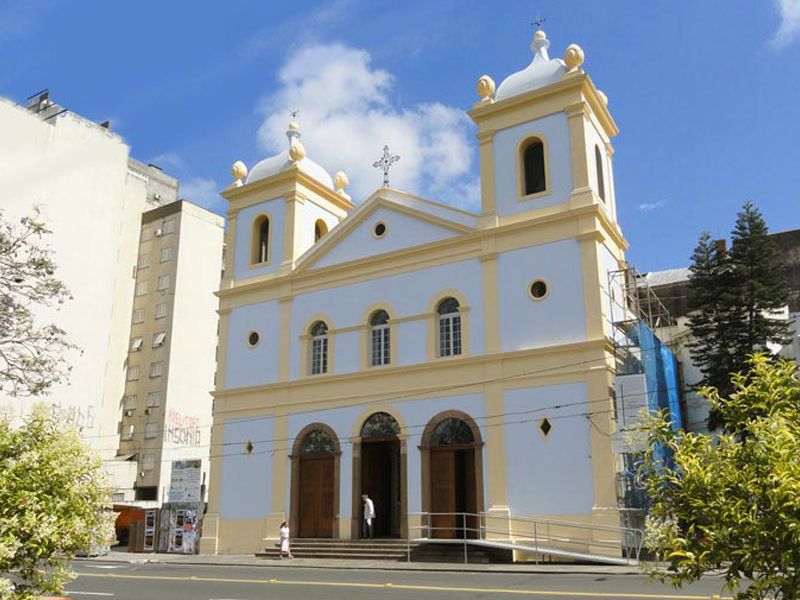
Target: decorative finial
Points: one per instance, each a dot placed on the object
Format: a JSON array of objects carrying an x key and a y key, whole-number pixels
[
  {"x": 540, "y": 43},
  {"x": 603, "y": 97},
  {"x": 574, "y": 57},
  {"x": 238, "y": 172},
  {"x": 294, "y": 114},
  {"x": 538, "y": 21},
  {"x": 341, "y": 181},
  {"x": 384, "y": 163},
  {"x": 486, "y": 88},
  {"x": 296, "y": 151}
]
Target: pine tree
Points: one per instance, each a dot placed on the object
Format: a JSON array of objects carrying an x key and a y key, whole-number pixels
[
  {"x": 761, "y": 286},
  {"x": 712, "y": 308},
  {"x": 731, "y": 300}
]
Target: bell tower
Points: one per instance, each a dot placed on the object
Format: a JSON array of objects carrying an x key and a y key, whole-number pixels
[{"x": 545, "y": 139}]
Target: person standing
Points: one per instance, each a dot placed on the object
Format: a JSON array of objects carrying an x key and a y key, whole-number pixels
[
  {"x": 369, "y": 515},
  {"x": 285, "y": 540}
]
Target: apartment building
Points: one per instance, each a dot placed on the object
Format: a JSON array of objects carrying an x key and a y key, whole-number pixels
[{"x": 165, "y": 411}]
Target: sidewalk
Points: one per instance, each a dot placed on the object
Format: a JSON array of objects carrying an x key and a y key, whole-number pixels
[{"x": 243, "y": 560}]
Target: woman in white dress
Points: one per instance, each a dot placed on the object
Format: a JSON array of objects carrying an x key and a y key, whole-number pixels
[{"x": 285, "y": 540}]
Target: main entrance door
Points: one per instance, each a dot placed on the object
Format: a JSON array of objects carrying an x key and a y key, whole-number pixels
[
  {"x": 453, "y": 480},
  {"x": 314, "y": 494},
  {"x": 316, "y": 497},
  {"x": 380, "y": 472}
]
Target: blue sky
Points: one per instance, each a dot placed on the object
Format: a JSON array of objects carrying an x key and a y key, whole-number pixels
[{"x": 706, "y": 93}]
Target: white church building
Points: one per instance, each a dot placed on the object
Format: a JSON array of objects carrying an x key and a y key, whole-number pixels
[{"x": 440, "y": 360}]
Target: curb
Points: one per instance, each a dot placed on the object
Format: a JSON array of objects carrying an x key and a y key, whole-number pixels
[{"x": 553, "y": 569}]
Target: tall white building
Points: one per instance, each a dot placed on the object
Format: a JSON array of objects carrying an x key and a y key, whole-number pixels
[{"x": 93, "y": 195}]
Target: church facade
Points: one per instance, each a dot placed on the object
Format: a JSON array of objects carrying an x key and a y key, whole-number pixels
[{"x": 440, "y": 360}]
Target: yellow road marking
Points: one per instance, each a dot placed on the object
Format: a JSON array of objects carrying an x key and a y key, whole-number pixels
[{"x": 410, "y": 587}]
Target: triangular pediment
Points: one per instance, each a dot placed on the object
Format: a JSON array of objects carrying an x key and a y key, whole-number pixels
[{"x": 388, "y": 221}]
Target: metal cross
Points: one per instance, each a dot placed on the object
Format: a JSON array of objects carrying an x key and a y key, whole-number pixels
[
  {"x": 385, "y": 163},
  {"x": 538, "y": 21},
  {"x": 294, "y": 114}
]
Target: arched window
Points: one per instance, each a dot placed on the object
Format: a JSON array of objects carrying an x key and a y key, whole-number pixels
[
  {"x": 533, "y": 167},
  {"x": 379, "y": 338},
  {"x": 319, "y": 348},
  {"x": 598, "y": 161},
  {"x": 452, "y": 431},
  {"x": 317, "y": 441},
  {"x": 449, "y": 327},
  {"x": 320, "y": 229},
  {"x": 260, "y": 240},
  {"x": 380, "y": 425}
]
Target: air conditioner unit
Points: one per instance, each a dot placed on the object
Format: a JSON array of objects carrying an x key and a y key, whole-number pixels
[
  {"x": 128, "y": 412},
  {"x": 147, "y": 411},
  {"x": 158, "y": 233}
]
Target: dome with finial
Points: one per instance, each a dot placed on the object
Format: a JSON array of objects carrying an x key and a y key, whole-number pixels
[
  {"x": 294, "y": 155},
  {"x": 541, "y": 72}
]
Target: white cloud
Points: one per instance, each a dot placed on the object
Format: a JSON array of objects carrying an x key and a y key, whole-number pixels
[
  {"x": 348, "y": 115},
  {"x": 789, "y": 29},
  {"x": 169, "y": 160},
  {"x": 203, "y": 191},
  {"x": 651, "y": 206}
]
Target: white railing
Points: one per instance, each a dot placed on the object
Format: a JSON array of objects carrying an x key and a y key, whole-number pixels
[{"x": 568, "y": 539}]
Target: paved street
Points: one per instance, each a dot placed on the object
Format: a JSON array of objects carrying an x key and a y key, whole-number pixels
[{"x": 97, "y": 579}]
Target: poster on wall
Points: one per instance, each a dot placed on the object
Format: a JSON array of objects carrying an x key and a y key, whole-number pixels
[{"x": 185, "y": 481}]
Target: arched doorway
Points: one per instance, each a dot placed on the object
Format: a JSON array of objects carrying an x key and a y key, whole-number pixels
[
  {"x": 315, "y": 483},
  {"x": 452, "y": 475},
  {"x": 381, "y": 474}
]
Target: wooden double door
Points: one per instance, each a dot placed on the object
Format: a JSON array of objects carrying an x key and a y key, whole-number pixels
[
  {"x": 316, "y": 496},
  {"x": 453, "y": 490}
]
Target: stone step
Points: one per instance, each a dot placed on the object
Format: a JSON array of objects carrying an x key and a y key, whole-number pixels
[{"x": 337, "y": 555}]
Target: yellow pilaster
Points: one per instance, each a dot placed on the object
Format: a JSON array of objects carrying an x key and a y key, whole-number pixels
[
  {"x": 576, "y": 118},
  {"x": 594, "y": 292},
  {"x": 486, "y": 141}
]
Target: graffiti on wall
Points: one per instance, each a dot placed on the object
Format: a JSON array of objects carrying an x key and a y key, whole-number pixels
[{"x": 182, "y": 430}]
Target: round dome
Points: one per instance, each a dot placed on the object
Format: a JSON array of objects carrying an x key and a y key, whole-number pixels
[
  {"x": 541, "y": 72},
  {"x": 283, "y": 161}
]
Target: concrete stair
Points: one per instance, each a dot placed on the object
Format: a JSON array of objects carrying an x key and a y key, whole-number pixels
[{"x": 392, "y": 549}]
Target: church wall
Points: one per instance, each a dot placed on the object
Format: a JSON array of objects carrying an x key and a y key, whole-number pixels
[
  {"x": 555, "y": 131},
  {"x": 558, "y": 318},
  {"x": 402, "y": 231},
  {"x": 594, "y": 138},
  {"x": 248, "y": 366},
  {"x": 550, "y": 475},
  {"x": 408, "y": 295},
  {"x": 244, "y": 226},
  {"x": 609, "y": 263},
  {"x": 310, "y": 212},
  {"x": 246, "y": 479}
]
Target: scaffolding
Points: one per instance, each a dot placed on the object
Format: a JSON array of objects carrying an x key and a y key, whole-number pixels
[
  {"x": 633, "y": 301},
  {"x": 632, "y": 305}
]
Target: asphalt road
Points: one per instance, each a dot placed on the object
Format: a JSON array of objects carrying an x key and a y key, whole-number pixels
[{"x": 201, "y": 582}]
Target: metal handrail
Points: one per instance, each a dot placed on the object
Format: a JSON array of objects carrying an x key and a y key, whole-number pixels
[{"x": 541, "y": 532}]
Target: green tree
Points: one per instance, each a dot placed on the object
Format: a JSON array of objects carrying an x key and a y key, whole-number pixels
[
  {"x": 712, "y": 308},
  {"x": 760, "y": 283},
  {"x": 52, "y": 495},
  {"x": 731, "y": 504},
  {"x": 31, "y": 353},
  {"x": 52, "y": 489},
  {"x": 732, "y": 301}
]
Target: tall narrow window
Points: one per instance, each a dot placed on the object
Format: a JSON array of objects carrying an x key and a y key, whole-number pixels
[
  {"x": 379, "y": 338},
  {"x": 320, "y": 229},
  {"x": 598, "y": 161},
  {"x": 319, "y": 348},
  {"x": 261, "y": 240},
  {"x": 533, "y": 167},
  {"x": 449, "y": 327}
]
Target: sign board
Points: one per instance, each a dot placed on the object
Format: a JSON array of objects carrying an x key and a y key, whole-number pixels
[{"x": 184, "y": 484}]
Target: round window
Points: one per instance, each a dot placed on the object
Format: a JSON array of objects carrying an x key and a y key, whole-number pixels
[
  {"x": 253, "y": 338},
  {"x": 380, "y": 230},
  {"x": 538, "y": 289}
]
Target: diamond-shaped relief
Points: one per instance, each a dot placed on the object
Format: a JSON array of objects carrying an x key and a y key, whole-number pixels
[
  {"x": 248, "y": 447},
  {"x": 545, "y": 426}
]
